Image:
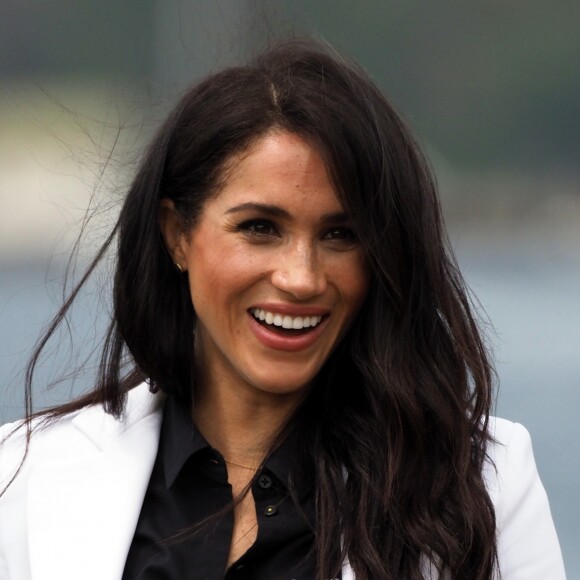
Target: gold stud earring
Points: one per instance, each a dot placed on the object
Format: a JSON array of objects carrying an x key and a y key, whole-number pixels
[{"x": 178, "y": 266}]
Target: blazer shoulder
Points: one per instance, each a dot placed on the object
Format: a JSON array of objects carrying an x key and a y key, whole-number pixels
[
  {"x": 70, "y": 434},
  {"x": 527, "y": 542},
  {"x": 88, "y": 466}
]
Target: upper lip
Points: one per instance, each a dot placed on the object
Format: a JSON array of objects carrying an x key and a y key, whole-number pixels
[{"x": 291, "y": 309}]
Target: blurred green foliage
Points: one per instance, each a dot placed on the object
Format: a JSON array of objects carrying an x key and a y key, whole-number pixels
[{"x": 488, "y": 84}]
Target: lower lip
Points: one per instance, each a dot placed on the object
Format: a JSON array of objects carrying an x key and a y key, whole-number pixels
[{"x": 285, "y": 342}]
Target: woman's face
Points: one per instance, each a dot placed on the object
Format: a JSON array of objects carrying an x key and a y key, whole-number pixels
[{"x": 275, "y": 273}]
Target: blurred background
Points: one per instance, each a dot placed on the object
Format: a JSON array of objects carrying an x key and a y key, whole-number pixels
[{"x": 492, "y": 89}]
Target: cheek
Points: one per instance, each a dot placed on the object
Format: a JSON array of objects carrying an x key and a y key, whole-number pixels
[
  {"x": 219, "y": 275},
  {"x": 204, "y": 278},
  {"x": 355, "y": 282}
]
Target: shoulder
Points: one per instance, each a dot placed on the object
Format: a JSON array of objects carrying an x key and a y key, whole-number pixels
[
  {"x": 527, "y": 542},
  {"x": 75, "y": 433},
  {"x": 510, "y": 469},
  {"x": 82, "y": 467},
  {"x": 509, "y": 453}
]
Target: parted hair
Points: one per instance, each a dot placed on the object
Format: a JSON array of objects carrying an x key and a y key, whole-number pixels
[{"x": 395, "y": 428}]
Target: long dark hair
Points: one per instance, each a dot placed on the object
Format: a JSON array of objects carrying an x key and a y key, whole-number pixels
[{"x": 396, "y": 427}]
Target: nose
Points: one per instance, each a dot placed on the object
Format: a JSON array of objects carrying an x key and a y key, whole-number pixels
[{"x": 300, "y": 272}]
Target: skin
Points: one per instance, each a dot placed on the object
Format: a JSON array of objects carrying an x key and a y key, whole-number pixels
[{"x": 298, "y": 253}]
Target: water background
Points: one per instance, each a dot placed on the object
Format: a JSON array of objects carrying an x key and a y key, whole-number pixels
[{"x": 529, "y": 289}]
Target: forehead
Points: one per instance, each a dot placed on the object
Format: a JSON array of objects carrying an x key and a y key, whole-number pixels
[{"x": 282, "y": 166}]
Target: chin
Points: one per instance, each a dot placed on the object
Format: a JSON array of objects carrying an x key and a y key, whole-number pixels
[{"x": 282, "y": 384}]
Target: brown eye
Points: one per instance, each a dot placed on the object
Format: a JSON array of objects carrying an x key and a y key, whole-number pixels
[
  {"x": 340, "y": 234},
  {"x": 258, "y": 227}
]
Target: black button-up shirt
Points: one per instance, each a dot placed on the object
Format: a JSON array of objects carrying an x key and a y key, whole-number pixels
[{"x": 189, "y": 483}]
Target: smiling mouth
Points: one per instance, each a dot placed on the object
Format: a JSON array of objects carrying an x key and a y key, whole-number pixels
[{"x": 285, "y": 324}]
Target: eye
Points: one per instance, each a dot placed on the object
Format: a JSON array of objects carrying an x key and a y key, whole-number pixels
[
  {"x": 258, "y": 227},
  {"x": 341, "y": 233}
]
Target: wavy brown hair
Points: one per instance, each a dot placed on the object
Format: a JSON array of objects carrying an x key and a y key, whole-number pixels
[{"x": 396, "y": 427}]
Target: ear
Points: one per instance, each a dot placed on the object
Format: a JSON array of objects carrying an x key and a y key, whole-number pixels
[{"x": 174, "y": 233}]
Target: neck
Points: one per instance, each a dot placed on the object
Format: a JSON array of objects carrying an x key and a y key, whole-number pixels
[{"x": 239, "y": 425}]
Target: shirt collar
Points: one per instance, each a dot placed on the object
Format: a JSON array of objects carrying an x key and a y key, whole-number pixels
[
  {"x": 281, "y": 460},
  {"x": 181, "y": 439}
]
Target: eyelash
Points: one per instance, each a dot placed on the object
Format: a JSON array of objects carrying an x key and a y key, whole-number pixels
[
  {"x": 345, "y": 234},
  {"x": 252, "y": 228}
]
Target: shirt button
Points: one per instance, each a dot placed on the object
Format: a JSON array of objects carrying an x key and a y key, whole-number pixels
[
  {"x": 270, "y": 510},
  {"x": 264, "y": 481}
]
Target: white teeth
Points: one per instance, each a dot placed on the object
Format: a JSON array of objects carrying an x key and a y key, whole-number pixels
[
  {"x": 298, "y": 323},
  {"x": 290, "y": 322}
]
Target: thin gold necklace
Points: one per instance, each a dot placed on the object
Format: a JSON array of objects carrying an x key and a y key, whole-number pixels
[{"x": 241, "y": 465}]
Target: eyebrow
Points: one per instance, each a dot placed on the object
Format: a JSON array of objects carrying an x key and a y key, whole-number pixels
[{"x": 276, "y": 211}]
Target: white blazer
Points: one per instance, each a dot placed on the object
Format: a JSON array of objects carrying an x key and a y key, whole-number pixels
[{"x": 72, "y": 510}]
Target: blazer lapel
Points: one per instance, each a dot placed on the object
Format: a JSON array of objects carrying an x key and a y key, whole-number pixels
[{"x": 93, "y": 492}]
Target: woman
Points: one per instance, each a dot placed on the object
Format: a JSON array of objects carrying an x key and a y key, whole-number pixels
[{"x": 314, "y": 392}]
